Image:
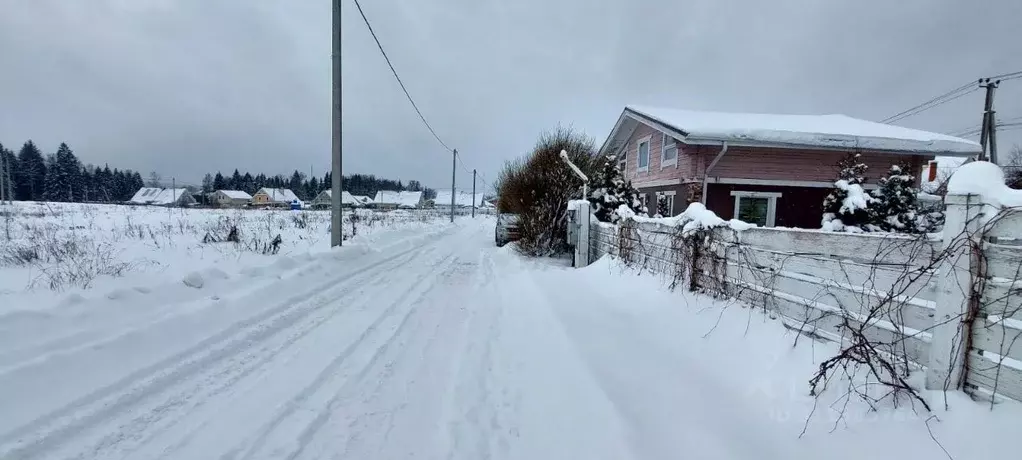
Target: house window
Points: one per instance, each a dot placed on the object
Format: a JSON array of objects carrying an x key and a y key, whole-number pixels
[
  {"x": 643, "y": 155},
  {"x": 642, "y": 200},
  {"x": 758, "y": 208},
  {"x": 668, "y": 152},
  {"x": 623, "y": 161}
]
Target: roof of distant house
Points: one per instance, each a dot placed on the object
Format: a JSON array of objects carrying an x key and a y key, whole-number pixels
[
  {"x": 154, "y": 195},
  {"x": 812, "y": 131},
  {"x": 279, "y": 195},
  {"x": 404, "y": 199},
  {"x": 462, "y": 198},
  {"x": 236, "y": 194}
]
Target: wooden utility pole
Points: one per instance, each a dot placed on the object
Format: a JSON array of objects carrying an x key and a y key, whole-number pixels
[
  {"x": 473, "y": 194},
  {"x": 336, "y": 170},
  {"x": 454, "y": 167},
  {"x": 988, "y": 136}
]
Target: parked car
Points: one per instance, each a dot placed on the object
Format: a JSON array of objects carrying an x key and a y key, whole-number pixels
[{"x": 507, "y": 229}]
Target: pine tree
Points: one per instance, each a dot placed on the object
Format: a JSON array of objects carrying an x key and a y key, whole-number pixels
[
  {"x": 155, "y": 180},
  {"x": 219, "y": 183},
  {"x": 9, "y": 168},
  {"x": 847, "y": 207},
  {"x": 207, "y": 183},
  {"x": 611, "y": 192},
  {"x": 235, "y": 182},
  {"x": 31, "y": 179},
  {"x": 895, "y": 207},
  {"x": 296, "y": 184}
]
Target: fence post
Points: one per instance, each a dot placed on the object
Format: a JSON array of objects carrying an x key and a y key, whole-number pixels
[{"x": 954, "y": 278}]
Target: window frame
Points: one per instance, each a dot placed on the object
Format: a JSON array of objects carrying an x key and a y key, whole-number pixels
[
  {"x": 622, "y": 162},
  {"x": 664, "y": 162},
  {"x": 638, "y": 153},
  {"x": 771, "y": 217}
]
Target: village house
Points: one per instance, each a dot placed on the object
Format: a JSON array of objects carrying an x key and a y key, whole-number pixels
[
  {"x": 229, "y": 198},
  {"x": 387, "y": 199},
  {"x": 771, "y": 170},
  {"x": 324, "y": 200},
  {"x": 162, "y": 197},
  {"x": 274, "y": 197},
  {"x": 462, "y": 199}
]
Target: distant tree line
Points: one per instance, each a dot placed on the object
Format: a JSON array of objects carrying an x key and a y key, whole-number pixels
[
  {"x": 61, "y": 176},
  {"x": 308, "y": 187}
]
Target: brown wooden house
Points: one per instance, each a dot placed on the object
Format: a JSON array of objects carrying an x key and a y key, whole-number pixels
[{"x": 772, "y": 170}]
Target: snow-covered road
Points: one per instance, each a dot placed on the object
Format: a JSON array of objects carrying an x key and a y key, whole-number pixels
[{"x": 440, "y": 347}]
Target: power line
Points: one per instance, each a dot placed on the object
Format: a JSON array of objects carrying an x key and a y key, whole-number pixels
[
  {"x": 397, "y": 77},
  {"x": 939, "y": 100}
]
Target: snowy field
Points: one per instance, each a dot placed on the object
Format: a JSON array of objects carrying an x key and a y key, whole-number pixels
[
  {"x": 63, "y": 253},
  {"x": 426, "y": 341}
]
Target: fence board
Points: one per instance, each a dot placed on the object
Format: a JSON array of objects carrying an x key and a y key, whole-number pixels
[
  {"x": 804, "y": 317},
  {"x": 1007, "y": 225},
  {"x": 1003, "y": 299},
  {"x": 871, "y": 249},
  {"x": 826, "y": 294},
  {"x": 1003, "y": 261},
  {"x": 1000, "y": 338},
  {"x": 879, "y": 278},
  {"x": 991, "y": 375}
]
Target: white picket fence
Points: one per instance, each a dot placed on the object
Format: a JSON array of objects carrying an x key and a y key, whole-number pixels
[{"x": 951, "y": 305}]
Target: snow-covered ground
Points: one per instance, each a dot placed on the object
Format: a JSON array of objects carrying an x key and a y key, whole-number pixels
[
  {"x": 436, "y": 344},
  {"x": 65, "y": 253}
]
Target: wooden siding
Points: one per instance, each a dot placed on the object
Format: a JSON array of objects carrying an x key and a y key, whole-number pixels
[
  {"x": 804, "y": 165},
  {"x": 655, "y": 173}
]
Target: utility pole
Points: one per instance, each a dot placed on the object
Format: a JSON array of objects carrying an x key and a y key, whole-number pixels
[
  {"x": 336, "y": 211},
  {"x": 454, "y": 167},
  {"x": 988, "y": 133},
  {"x": 3, "y": 177},
  {"x": 473, "y": 193}
]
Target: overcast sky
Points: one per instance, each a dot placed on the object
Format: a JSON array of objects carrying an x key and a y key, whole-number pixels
[{"x": 182, "y": 87}]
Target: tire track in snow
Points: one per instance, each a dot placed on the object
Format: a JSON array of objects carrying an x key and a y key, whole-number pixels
[
  {"x": 57, "y": 427},
  {"x": 331, "y": 371}
]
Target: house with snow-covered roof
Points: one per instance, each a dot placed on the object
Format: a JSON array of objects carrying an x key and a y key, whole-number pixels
[
  {"x": 389, "y": 199},
  {"x": 274, "y": 197},
  {"x": 156, "y": 196},
  {"x": 226, "y": 198},
  {"x": 771, "y": 170},
  {"x": 325, "y": 199},
  {"x": 462, "y": 199}
]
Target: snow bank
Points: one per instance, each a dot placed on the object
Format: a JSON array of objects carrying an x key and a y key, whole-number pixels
[
  {"x": 986, "y": 180},
  {"x": 696, "y": 217}
]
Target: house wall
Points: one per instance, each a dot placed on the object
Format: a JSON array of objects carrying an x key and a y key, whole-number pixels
[
  {"x": 800, "y": 164},
  {"x": 260, "y": 198},
  {"x": 656, "y": 172},
  {"x": 799, "y": 207}
]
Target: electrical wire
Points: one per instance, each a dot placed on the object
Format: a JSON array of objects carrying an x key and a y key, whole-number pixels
[
  {"x": 405, "y": 89},
  {"x": 937, "y": 101},
  {"x": 397, "y": 77}
]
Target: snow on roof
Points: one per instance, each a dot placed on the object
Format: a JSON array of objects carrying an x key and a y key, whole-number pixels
[
  {"x": 279, "y": 195},
  {"x": 158, "y": 196},
  {"x": 145, "y": 194},
  {"x": 828, "y": 131},
  {"x": 403, "y": 199},
  {"x": 462, "y": 198},
  {"x": 236, "y": 194}
]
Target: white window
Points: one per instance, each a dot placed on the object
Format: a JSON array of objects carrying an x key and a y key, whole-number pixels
[
  {"x": 668, "y": 152},
  {"x": 642, "y": 200},
  {"x": 643, "y": 150},
  {"x": 758, "y": 208},
  {"x": 622, "y": 161}
]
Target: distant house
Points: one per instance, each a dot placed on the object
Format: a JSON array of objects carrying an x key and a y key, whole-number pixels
[
  {"x": 771, "y": 170},
  {"x": 324, "y": 200},
  {"x": 462, "y": 199},
  {"x": 225, "y": 198},
  {"x": 386, "y": 199},
  {"x": 162, "y": 197},
  {"x": 937, "y": 172},
  {"x": 273, "y": 197}
]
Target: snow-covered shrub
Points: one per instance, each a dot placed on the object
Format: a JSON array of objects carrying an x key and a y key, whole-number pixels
[
  {"x": 538, "y": 187},
  {"x": 847, "y": 207},
  {"x": 611, "y": 192},
  {"x": 894, "y": 207}
]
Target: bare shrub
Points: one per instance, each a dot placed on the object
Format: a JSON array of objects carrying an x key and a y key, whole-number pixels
[{"x": 537, "y": 188}]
